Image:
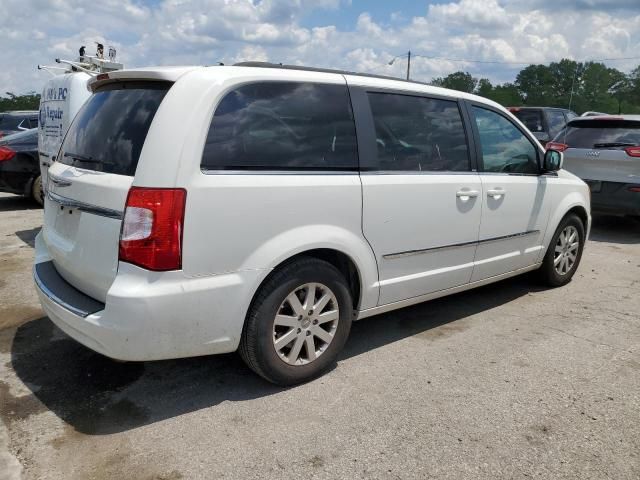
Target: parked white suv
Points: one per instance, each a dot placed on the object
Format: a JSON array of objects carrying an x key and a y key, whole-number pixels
[{"x": 261, "y": 208}]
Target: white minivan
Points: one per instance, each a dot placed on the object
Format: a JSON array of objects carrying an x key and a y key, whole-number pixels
[{"x": 263, "y": 208}]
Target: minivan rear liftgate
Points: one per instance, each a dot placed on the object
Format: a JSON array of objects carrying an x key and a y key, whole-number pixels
[{"x": 88, "y": 185}]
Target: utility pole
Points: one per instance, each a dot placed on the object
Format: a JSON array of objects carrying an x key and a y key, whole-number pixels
[{"x": 408, "y": 63}]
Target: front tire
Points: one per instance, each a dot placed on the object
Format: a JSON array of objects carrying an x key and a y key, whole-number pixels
[
  {"x": 298, "y": 322},
  {"x": 564, "y": 253}
]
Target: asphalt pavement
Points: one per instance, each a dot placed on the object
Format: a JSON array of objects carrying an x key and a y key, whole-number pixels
[{"x": 511, "y": 380}]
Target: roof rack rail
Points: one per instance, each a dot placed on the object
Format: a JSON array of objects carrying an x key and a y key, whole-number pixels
[{"x": 323, "y": 70}]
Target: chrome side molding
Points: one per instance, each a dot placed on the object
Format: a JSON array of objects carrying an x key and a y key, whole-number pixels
[{"x": 407, "y": 253}]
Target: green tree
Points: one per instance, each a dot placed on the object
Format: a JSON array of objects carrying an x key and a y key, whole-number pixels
[
  {"x": 462, "y": 81},
  {"x": 580, "y": 86},
  {"x": 565, "y": 81},
  {"x": 506, "y": 95},
  {"x": 534, "y": 84},
  {"x": 632, "y": 91},
  {"x": 484, "y": 88},
  {"x": 601, "y": 88},
  {"x": 30, "y": 101}
]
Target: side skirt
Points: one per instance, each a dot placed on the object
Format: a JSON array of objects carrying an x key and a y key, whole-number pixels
[{"x": 442, "y": 293}]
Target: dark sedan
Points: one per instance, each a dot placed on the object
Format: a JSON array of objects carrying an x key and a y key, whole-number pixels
[{"x": 20, "y": 166}]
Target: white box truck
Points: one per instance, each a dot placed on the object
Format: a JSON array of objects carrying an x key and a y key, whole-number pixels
[{"x": 62, "y": 97}]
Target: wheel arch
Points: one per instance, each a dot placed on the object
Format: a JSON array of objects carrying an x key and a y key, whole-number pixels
[
  {"x": 582, "y": 214},
  {"x": 574, "y": 203},
  {"x": 343, "y": 262}
]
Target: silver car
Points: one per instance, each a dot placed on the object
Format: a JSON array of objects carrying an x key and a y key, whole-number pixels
[{"x": 604, "y": 151}]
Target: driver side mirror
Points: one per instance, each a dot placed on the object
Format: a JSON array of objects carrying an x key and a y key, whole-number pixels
[{"x": 553, "y": 160}]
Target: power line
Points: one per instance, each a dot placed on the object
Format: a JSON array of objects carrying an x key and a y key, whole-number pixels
[{"x": 500, "y": 62}]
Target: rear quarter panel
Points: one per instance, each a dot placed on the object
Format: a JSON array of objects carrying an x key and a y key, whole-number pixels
[{"x": 243, "y": 221}]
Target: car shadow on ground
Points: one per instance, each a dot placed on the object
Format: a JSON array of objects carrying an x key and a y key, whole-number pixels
[
  {"x": 10, "y": 203},
  {"x": 29, "y": 236},
  {"x": 606, "y": 228},
  {"x": 96, "y": 395}
]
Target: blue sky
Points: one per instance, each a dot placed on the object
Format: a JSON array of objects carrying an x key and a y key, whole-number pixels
[
  {"x": 354, "y": 35},
  {"x": 346, "y": 16}
]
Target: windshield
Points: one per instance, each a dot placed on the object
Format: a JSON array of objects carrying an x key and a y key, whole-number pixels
[
  {"x": 600, "y": 134},
  {"x": 109, "y": 131}
]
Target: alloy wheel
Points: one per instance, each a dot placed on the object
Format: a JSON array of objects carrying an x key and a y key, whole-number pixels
[
  {"x": 566, "y": 250},
  {"x": 305, "y": 324}
]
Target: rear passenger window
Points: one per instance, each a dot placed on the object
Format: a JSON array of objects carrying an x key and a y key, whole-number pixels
[
  {"x": 418, "y": 134},
  {"x": 282, "y": 126}
]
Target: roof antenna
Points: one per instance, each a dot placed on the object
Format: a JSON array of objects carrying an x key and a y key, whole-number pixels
[{"x": 575, "y": 74}]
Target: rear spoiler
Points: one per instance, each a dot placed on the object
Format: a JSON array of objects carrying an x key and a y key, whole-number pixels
[{"x": 160, "y": 74}]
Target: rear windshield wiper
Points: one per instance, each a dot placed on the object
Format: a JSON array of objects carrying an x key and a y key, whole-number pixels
[
  {"x": 82, "y": 158},
  {"x": 85, "y": 159},
  {"x": 613, "y": 144}
]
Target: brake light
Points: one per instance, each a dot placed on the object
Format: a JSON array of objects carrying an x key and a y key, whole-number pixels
[
  {"x": 557, "y": 146},
  {"x": 633, "y": 151},
  {"x": 514, "y": 109},
  {"x": 6, "y": 154},
  {"x": 634, "y": 189},
  {"x": 152, "y": 227}
]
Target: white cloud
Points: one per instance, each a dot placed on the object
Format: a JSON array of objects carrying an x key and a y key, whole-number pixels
[{"x": 207, "y": 31}]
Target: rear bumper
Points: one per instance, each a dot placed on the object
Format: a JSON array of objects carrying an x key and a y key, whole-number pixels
[
  {"x": 149, "y": 315},
  {"x": 615, "y": 198}
]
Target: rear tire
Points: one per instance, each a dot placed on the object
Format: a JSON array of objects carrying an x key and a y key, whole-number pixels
[
  {"x": 284, "y": 340},
  {"x": 564, "y": 253},
  {"x": 37, "y": 192}
]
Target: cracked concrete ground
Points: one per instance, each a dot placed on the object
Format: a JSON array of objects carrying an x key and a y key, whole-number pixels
[{"x": 507, "y": 381}]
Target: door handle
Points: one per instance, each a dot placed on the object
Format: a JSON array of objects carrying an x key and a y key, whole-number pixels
[
  {"x": 496, "y": 192},
  {"x": 467, "y": 194}
]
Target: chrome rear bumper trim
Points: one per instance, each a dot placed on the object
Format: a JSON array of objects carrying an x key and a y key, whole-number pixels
[{"x": 84, "y": 207}]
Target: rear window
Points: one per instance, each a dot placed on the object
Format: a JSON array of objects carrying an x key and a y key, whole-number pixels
[
  {"x": 282, "y": 126},
  {"x": 9, "y": 122},
  {"x": 532, "y": 119},
  {"x": 600, "y": 134},
  {"x": 109, "y": 131}
]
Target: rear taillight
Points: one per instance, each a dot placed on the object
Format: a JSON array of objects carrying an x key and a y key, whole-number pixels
[
  {"x": 633, "y": 151},
  {"x": 6, "y": 154},
  {"x": 559, "y": 147},
  {"x": 635, "y": 189},
  {"x": 151, "y": 234}
]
